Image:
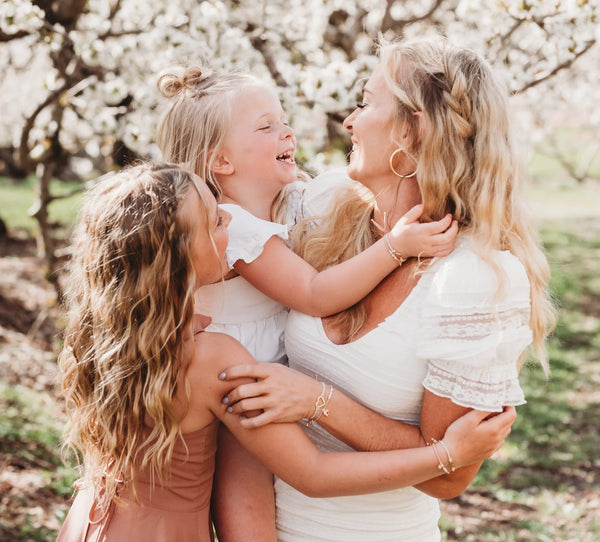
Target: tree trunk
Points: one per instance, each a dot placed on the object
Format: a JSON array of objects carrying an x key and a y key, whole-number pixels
[{"x": 45, "y": 239}]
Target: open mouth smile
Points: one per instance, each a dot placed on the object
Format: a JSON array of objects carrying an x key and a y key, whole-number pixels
[{"x": 287, "y": 157}]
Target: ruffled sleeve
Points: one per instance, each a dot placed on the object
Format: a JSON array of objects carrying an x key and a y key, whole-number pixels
[
  {"x": 471, "y": 339},
  {"x": 248, "y": 234}
]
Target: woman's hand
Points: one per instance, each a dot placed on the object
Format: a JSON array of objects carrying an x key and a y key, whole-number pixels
[
  {"x": 283, "y": 394},
  {"x": 409, "y": 237},
  {"x": 477, "y": 435}
]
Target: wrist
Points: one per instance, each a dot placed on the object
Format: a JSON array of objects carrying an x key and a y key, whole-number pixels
[
  {"x": 395, "y": 254},
  {"x": 320, "y": 407},
  {"x": 442, "y": 454}
]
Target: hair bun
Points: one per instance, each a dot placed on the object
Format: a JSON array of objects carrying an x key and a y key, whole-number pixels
[
  {"x": 171, "y": 84},
  {"x": 193, "y": 76}
]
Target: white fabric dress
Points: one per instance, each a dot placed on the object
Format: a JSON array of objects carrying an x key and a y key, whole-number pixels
[
  {"x": 236, "y": 307},
  {"x": 449, "y": 336}
]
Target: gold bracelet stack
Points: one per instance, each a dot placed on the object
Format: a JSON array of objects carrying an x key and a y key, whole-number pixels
[
  {"x": 450, "y": 461},
  {"x": 446, "y": 469},
  {"x": 321, "y": 404},
  {"x": 392, "y": 252}
]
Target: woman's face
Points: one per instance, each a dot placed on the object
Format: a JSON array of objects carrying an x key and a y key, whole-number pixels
[
  {"x": 371, "y": 125},
  {"x": 208, "y": 224}
]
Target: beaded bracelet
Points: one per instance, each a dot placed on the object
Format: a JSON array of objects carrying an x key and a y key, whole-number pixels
[
  {"x": 441, "y": 466},
  {"x": 450, "y": 461},
  {"x": 392, "y": 252}
]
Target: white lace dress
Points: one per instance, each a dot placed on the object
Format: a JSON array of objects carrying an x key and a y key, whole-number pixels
[
  {"x": 236, "y": 307},
  {"x": 449, "y": 336}
]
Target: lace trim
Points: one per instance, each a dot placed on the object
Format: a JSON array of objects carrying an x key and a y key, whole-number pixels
[
  {"x": 487, "y": 396},
  {"x": 476, "y": 326}
]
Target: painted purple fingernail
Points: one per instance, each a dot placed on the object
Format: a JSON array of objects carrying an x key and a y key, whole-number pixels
[
  {"x": 229, "y": 409},
  {"x": 222, "y": 376},
  {"x": 225, "y": 400}
]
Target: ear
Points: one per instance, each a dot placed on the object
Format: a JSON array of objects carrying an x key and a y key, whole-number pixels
[{"x": 221, "y": 165}]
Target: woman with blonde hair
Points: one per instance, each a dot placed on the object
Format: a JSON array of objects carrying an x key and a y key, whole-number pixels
[
  {"x": 437, "y": 338},
  {"x": 141, "y": 387}
]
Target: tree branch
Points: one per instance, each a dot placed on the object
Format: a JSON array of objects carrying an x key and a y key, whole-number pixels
[
  {"x": 261, "y": 45},
  {"x": 389, "y": 23},
  {"x": 24, "y": 159},
  {"x": 562, "y": 66},
  {"x": 9, "y": 37}
]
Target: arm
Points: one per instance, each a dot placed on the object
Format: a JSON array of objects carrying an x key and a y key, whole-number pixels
[
  {"x": 287, "y": 452},
  {"x": 437, "y": 414},
  {"x": 243, "y": 498},
  {"x": 287, "y": 395},
  {"x": 284, "y": 276}
]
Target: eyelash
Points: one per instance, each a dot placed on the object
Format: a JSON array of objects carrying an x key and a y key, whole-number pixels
[{"x": 361, "y": 105}]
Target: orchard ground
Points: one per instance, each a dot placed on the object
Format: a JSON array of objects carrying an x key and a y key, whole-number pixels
[{"x": 541, "y": 486}]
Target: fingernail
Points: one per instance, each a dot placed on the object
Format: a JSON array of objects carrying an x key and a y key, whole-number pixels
[
  {"x": 225, "y": 400},
  {"x": 222, "y": 376},
  {"x": 229, "y": 409}
]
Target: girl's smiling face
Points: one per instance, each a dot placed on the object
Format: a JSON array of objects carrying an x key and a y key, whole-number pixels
[{"x": 260, "y": 144}]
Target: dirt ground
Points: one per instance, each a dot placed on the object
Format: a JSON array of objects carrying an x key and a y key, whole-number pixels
[{"x": 29, "y": 320}]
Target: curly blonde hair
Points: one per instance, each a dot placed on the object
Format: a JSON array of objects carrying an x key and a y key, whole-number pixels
[
  {"x": 197, "y": 122},
  {"x": 466, "y": 160},
  {"x": 130, "y": 304}
]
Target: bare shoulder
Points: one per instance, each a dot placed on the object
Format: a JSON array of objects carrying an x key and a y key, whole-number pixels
[
  {"x": 213, "y": 353},
  {"x": 219, "y": 351}
]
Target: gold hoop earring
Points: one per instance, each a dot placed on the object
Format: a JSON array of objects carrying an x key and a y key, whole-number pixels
[{"x": 400, "y": 149}]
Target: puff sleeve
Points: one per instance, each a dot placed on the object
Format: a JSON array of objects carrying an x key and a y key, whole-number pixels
[
  {"x": 248, "y": 234},
  {"x": 471, "y": 338}
]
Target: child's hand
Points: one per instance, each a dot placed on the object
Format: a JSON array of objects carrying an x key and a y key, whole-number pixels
[{"x": 409, "y": 237}]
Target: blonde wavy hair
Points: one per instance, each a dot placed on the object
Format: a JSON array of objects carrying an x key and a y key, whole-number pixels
[
  {"x": 130, "y": 304},
  {"x": 466, "y": 163}
]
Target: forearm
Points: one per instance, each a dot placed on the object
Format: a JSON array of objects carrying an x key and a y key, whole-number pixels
[
  {"x": 284, "y": 394},
  {"x": 286, "y": 451},
  {"x": 345, "y": 284},
  {"x": 437, "y": 414},
  {"x": 449, "y": 486},
  {"x": 366, "y": 430}
]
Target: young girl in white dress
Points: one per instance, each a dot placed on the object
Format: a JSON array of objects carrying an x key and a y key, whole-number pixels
[{"x": 231, "y": 130}]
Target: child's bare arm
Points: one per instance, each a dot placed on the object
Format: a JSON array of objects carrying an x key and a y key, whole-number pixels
[{"x": 287, "y": 278}]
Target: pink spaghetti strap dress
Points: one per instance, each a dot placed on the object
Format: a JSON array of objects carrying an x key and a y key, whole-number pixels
[{"x": 179, "y": 509}]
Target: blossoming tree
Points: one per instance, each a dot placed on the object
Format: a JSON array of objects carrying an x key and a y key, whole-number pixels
[{"x": 78, "y": 76}]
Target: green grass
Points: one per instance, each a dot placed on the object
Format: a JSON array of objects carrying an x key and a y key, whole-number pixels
[
  {"x": 31, "y": 427},
  {"x": 17, "y": 198},
  {"x": 552, "y": 456}
]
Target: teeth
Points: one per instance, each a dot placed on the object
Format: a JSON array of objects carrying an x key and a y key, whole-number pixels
[{"x": 286, "y": 157}]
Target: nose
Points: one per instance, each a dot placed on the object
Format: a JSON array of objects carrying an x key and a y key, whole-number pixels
[
  {"x": 348, "y": 121},
  {"x": 287, "y": 132}
]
